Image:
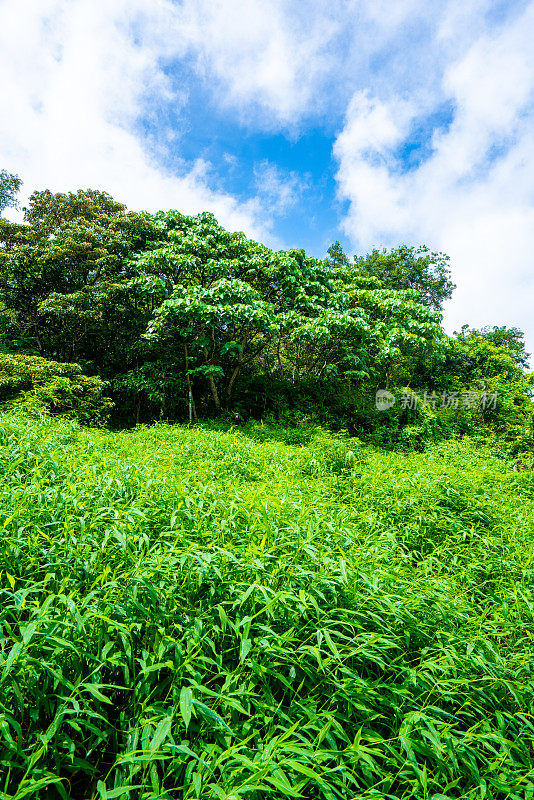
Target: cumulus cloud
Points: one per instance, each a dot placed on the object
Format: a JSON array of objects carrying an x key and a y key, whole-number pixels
[
  {"x": 280, "y": 189},
  {"x": 267, "y": 58},
  {"x": 472, "y": 194},
  {"x": 75, "y": 78}
]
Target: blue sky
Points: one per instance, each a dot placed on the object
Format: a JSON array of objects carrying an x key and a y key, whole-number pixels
[
  {"x": 241, "y": 160},
  {"x": 374, "y": 122}
]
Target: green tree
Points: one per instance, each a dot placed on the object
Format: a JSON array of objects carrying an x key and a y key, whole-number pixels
[
  {"x": 9, "y": 188},
  {"x": 60, "y": 388},
  {"x": 175, "y": 310},
  {"x": 414, "y": 268},
  {"x": 489, "y": 364},
  {"x": 336, "y": 257},
  {"x": 221, "y": 329},
  {"x": 64, "y": 277},
  {"x": 511, "y": 339},
  {"x": 193, "y": 262},
  {"x": 238, "y": 305}
]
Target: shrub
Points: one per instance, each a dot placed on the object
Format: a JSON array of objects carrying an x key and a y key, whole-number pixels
[{"x": 61, "y": 389}]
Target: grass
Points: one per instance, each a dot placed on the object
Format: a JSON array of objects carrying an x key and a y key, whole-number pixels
[{"x": 198, "y": 614}]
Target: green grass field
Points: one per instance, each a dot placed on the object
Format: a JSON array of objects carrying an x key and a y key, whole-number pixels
[{"x": 208, "y": 614}]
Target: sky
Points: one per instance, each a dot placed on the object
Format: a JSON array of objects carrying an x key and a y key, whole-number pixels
[{"x": 371, "y": 122}]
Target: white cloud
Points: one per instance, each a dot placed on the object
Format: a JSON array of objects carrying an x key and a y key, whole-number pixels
[
  {"x": 77, "y": 77},
  {"x": 281, "y": 190},
  {"x": 373, "y": 128},
  {"x": 473, "y": 195},
  {"x": 74, "y": 82},
  {"x": 267, "y": 58}
]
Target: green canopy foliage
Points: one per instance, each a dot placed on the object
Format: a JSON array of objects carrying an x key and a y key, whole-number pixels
[
  {"x": 411, "y": 268},
  {"x": 237, "y": 300},
  {"x": 183, "y": 318},
  {"x": 9, "y": 188},
  {"x": 63, "y": 274},
  {"x": 59, "y": 388}
]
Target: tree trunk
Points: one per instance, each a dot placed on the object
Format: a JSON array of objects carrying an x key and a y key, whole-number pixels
[
  {"x": 213, "y": 387},
  {"x": 190, "y": 398},
  {"x": 214, "y": 392},
  {"x": 278, "y": 358},
  {"x": 234, "y": 375}
]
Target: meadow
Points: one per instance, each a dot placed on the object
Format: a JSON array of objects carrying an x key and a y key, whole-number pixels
[{"x": 214, "y": 615}]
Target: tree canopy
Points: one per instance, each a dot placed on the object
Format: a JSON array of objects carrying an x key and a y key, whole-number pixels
[
  {"x": 9, "y": 188},
  {"x": 178, "y": 316},
  {"x": 414, "y": 268}
]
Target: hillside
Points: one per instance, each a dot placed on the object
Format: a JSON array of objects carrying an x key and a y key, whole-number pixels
[{"x": 192, "y": 613}]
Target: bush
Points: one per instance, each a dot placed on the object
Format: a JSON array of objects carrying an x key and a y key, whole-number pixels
[{"x": 61, "y": 389}]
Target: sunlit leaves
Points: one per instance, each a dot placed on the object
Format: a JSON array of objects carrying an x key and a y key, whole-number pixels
[
  {"x": 198, "y": 614},
  {"x": 9, "y": 188}
]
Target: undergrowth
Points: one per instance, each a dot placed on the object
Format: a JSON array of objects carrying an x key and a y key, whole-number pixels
[{"x": 199, "y": 614}]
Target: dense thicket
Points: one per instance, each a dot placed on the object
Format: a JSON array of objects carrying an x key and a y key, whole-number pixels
[
  {"x": 188, "y": 613},
  {"x": 181, "y": 319}
]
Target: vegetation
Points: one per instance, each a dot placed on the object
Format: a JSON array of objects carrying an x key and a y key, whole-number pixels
[
  {"x": 9, "y": 188},
  {"x": 180, "y": 319},
  {"x": 282, "y": 598},
  {"x": 207, "y": 614},
  {"x": 59, "y": 388}
]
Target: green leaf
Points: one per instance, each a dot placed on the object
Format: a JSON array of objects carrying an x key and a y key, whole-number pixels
[
  {"x": 211, "y": 716},
  {"x": 160, "y": 734},
  {"x": 244, "y": 650},
  {"x": 186, "y": 700}
]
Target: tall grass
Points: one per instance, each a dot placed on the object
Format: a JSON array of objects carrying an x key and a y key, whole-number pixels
[{"x": 196, "y": 614}]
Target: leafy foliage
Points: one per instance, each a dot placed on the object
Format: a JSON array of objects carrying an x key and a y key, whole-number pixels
[
  {"x": 195, "y": 614},
  {"x": 9, "y": 188},
  {"x": 185, "y": 320},
  {"x": 411, "y": 268},
  {"x": 239, "y": 304},
  {"x": 62, "y": 274},
  {"x": 511, "y": 340},
  {"x": 60, "y": 388},
  {"x": 262, "y": 605}
]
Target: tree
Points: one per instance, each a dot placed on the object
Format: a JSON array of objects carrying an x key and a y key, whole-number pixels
[
  {"x": 176, "y": 311},
  {"x": 490, "y": 362},
  {"x": 360, "y": 333},
  {"x": 9, "y": 188},
  {"x": 336, "y": 256},
  {"x": 64, "y": 277},
  {"x": 411, "y": 268},
  {"x": 238, "y": 305},
  {"x": 61, "y": 388},
  {"x": 220, "y": 329},
  {"x": 511, "y": 339}
]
